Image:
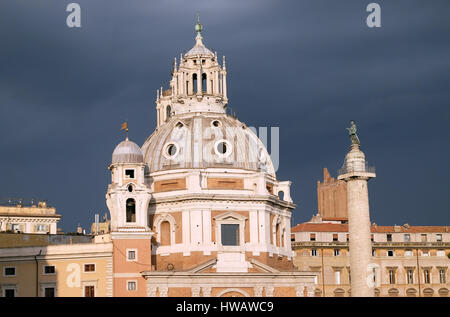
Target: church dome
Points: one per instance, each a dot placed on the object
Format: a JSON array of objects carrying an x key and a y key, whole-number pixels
[
  {"x": 127, "y": 152},
  {"x": 205, "y": 140}
]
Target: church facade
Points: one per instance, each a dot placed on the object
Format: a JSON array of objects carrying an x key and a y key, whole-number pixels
[{"x": 198, "y": 210}]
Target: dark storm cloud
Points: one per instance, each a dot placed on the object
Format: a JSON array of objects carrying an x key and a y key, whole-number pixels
[{"x": 305, "y": 66}]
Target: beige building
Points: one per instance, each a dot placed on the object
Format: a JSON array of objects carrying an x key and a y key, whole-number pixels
[
  {"x": 34, "y": 218},
  {"x": 60, "y": 265},
  {"x": 406, "y": 260}
]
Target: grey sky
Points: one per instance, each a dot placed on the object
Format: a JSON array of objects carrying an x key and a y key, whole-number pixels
[{"x": 305, "y": 66}]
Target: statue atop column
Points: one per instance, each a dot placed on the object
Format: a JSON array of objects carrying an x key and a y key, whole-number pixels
[{"x": 352, "y": 132}]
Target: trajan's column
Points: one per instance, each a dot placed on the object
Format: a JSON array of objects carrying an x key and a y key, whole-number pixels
[{"x": 356, "y": 173}]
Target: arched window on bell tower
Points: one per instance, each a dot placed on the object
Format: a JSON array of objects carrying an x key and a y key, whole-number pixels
[
  {"x": 204, "y": 88},
  {"x": 194, "y": 83},
  {"x": 131, "y": 210}
]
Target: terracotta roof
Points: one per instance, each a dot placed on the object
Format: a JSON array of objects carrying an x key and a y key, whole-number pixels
[
  {"x": 320, "y": 227},
  {"x": 335, "y": 227}
]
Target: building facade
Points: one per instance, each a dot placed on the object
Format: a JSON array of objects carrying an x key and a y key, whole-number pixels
[
  {"x": 406, "y": 260},
  {"x": 34, "y": 218}
]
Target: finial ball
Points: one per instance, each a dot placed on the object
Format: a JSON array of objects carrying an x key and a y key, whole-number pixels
[{"x": 198, "y": 27}]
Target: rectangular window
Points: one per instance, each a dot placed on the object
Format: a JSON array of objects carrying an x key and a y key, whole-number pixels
[
  {"x": 410, "y": 276},
  {"x": 132, "y": 255},
  {"x": 89, "y": 267},
  {"x": 373, "y": 252},
  {"x": 391, "y": 276},
  {"x": 230, "y": 234},
  {"x": 337, "y": 252},
  {"x": 440, "y": 253},
  {"x": 407, "y": 237},
  {"x": 89, "y": 291},
  {"x": 425, "y": 252},
  {"x": 335, "y": 237},
  {"x": 423, "y": 237},
  {"x": 442, "y": 278},
  {"x": 312, "y": 237},
  {"x": 9, "y": 271},
  {"x": 347, "y": 238},
  {"x": 371, "y": 237},
  {"x": 129, "y": 173},
  {"x": 389, "y": 237},
  {"x": 49, "y": 269},
  {"x": 337, "y": 277},
  {"x": 313, "y": 252},
  {"x": 49, "y": 292},
  {"x": 408, "y": 253},
  {"x": 131, "y": 285},
  {"x": 41, "y": 228},
  {"x": 439, "y": 237},
  {"x": 426, "y": 276},
  {"x": 10, "y": 292},
  {"x": 390, "y": 252}
]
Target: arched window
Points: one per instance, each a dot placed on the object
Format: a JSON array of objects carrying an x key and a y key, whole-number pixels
[
  {"x": 204, "y": 82},
  {"x": 194, "y": 83},
  {"x": 168, "y": 112},
  {"x": 131, "y": 210},
  {"x": 165, "y": 233}
]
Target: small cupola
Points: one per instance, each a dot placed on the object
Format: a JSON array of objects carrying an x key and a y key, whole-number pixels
[{"x": 127, "y": 152}]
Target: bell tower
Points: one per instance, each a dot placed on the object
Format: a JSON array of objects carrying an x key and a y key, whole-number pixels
[
  {"x": 127, "y": 199},
  {"x": 198, "y": 84}
]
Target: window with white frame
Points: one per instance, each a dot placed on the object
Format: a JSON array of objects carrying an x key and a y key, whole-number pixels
[
  {"x": 425, "y": 252},
  {"x": 9, "y": 271},
  {"x": 49, "y": 292},
  {"x": 408, "y": 253},
  {"x": 407, "y": 237},
  {"x": 9, "y": 291},
  {"x": 230, "y": 229},
  {"x": 131, "y": 285},
  {"x": 426, "y": 276},
  {"x": 314, "y": 252},
  {"x": 337, "y": 277},
  {"x": 440, "y": 253},
  {"x": 131, "y": 254},
  {"x": 410, "y": 276},
  {"x": 391, "y": 276},
  {"x": 336, "y": 252},
  {"x": 49, "y": 269},
  {"x": 439, "y": 237},
  {"x": 41, "y": 228},
  {"x": 89, "y": 268}
]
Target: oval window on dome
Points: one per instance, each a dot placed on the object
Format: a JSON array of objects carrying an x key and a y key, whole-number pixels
[
  {"x": 216, "y": 123},
  {"x": 171, "y": 150},
  {"x": 223, "y": 148}
]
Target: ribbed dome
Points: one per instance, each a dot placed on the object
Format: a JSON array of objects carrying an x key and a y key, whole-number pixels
[
  {"x": 204, "y": 140},
  {"x": 199, "y": 48},
  {"x": 127, "y": 152}
]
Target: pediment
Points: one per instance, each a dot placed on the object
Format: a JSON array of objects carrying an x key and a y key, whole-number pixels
[{"x": 231, "y": 215}]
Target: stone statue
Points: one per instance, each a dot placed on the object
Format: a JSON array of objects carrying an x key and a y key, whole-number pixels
[{"x": 352, "y": 133}]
